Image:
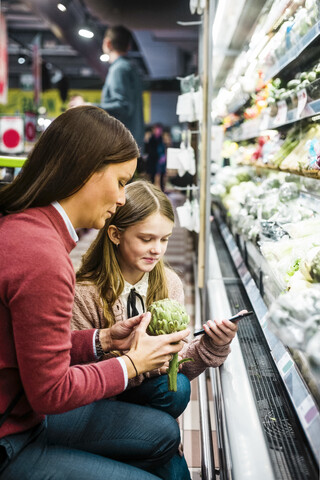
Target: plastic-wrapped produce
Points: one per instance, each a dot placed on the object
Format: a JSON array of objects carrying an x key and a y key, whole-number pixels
[
  {"x": 288, "y": 191},
  {"x": 295, "y": 319},
  {"x": 305, "y": 228}
]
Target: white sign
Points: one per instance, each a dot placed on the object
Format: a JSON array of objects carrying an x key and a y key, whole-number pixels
[
  {"x": 281, "y": 117},
  {"x": 11, "y": 135},
  {"x": 302, "y": 101}
]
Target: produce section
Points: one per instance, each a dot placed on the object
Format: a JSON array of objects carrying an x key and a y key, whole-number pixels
[{"x": 265, "y": 239}]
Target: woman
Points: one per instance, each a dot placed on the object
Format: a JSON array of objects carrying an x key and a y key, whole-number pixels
[
  {"x": 62, "y": 425},
  {"x": 126, "y": 261}
]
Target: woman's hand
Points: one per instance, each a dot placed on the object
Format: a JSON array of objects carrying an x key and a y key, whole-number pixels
[
  {"x": 152, "y": 352},
  {"x": 120, "y": 335}
]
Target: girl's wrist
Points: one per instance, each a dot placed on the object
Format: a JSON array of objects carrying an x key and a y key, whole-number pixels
[{"x": 105, "y": 339}]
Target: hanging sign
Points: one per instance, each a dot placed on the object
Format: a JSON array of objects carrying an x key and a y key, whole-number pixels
[
  {"x": 36, "y": 70},
  {"x": 11, "y": 134},
  {"x": 3, "y": 61}
]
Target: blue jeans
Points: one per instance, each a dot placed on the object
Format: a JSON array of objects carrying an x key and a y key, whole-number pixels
[
  {"x": 153, "y": 392},
  {"x": 109, "y": 439}
]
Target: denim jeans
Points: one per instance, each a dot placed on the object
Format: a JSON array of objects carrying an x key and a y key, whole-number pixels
[
  {"x": 106, "y": 440},
  {"x": 153, "y": 392}
]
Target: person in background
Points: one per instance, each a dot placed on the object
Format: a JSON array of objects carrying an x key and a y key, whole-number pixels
[
  {"x": 121, "y": 94},
  {"x": 124, "y": 269},
  {"x": 155, "y": 150},
  {"x": 56, "y": 418}
]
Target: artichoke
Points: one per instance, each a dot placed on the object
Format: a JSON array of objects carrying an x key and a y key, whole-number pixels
[{"x": 168, "y": 316}]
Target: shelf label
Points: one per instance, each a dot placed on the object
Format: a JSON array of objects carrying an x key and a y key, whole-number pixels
[
  {"x": 302, "y": 101},
  {"x": 307, "y": 411},
  {"x": 265, "y": 119},
  {"x": 285, "y": 364},
  {"x": 281, "y": 116}
]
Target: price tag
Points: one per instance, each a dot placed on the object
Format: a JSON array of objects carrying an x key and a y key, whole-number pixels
[
  {"x": 308, "y": 411},
  {"x": 281, "y": 116},
  {"x": 285, "y": 364},
  {"x": 302, "y": 101},
  {"x": 265, "y": 119}
]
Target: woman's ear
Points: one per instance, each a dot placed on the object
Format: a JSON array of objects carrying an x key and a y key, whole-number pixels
[{"x": 114, "y": 234}]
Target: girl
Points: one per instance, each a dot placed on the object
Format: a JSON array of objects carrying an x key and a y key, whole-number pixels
[
  {"x": 55, "y": 419},
  {"x": 123, "y": 273}
]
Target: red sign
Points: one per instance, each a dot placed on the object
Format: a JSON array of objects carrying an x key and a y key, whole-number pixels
[
  {"x": 11, "y": 135},
  {"x": 30, "y": 123}
]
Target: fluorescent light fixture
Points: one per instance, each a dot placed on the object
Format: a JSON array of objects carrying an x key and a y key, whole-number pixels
[
  {"x": 22, "y": 60},
  {"x": 104, "y": 57},
  {"x": 85, "y": 32},
  {"x": 61, "y": 6}
]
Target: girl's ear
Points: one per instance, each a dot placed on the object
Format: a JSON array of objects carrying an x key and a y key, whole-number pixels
[{"x": 114, "y": 234}]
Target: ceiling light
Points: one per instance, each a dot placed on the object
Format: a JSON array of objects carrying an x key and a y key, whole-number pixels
[
  {"x": 62, "y": 7},
  {"x": 21, "y": 59},
  {"x": 104, "y": 57},
  {"x": 86, "y": 32}
]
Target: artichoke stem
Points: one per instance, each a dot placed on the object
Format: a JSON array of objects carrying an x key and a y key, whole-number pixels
[{"x": 172, "y": 373}]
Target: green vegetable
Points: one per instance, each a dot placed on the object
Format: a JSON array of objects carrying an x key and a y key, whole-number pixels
[
  {"x": 310, "y": 265},
  {"x": 168, "y": 316},
  {"x": 312, "y": 76},
  {"x": 315, "y": 268},
  {"x": 293, "y": 83},
  {"x": 294, "y": 268}
]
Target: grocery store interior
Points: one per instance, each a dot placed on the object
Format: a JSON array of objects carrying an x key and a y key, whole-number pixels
[{"x": 236, "y": 87}]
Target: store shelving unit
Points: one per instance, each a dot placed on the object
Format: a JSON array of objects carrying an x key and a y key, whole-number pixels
[
  {"x": 267, "y": 413},
  {"x": 294, "y": 52},
  {"x": 254, "y": 128}
]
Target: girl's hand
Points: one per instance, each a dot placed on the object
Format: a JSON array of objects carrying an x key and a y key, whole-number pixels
[
  {"x": 152, "y": 352},
  {"x": 120, "y": 335},
  {"x": 221, "y": 332}
]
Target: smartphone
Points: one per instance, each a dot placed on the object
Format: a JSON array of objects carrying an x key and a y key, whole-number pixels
[{"x": 234, "y": 318}]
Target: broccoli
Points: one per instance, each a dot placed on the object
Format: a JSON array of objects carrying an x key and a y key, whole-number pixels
[{"x": 168, "y": 316}]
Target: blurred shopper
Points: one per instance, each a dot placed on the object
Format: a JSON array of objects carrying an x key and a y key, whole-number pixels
[
  {"x": 156, "y": 157},
  {"x": 56, "y": 420},
  {"x": 121, "y": 95}
]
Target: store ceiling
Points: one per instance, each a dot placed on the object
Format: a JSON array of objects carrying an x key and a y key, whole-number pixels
[{"x": 163, "y": 49}]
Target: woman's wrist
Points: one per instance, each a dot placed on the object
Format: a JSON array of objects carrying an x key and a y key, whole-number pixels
[{"x": 131, "y": 366}]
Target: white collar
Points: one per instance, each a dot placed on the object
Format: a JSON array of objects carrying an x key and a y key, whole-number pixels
[
  {"x": 67, "y": 221},
  {"x": 141, "y": 287}
]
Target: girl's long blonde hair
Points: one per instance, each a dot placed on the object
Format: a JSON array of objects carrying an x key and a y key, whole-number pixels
[{"x": 100, "y": 264}]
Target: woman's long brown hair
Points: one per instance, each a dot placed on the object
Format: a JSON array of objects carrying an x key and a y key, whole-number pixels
[
  {"x": 100, "y": 264},
  {"x": 76, "y": 144}
]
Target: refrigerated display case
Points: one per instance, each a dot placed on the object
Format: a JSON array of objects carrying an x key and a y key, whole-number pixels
[{"x": 267, "y": 393}]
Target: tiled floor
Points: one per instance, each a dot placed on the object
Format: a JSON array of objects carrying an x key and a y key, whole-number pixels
[{"x": 180, "y": 254}]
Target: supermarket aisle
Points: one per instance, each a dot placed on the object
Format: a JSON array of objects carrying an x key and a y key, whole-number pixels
[{"x": 179, "y": 255}]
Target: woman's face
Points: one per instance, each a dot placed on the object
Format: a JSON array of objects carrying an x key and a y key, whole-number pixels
[
  {"x": 142, "y": 245},
  {"x": 98, "y": 198}
]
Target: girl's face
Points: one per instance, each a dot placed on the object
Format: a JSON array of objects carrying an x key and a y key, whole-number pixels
[
  {"x": 98, "y": 198},
  {"x": 142, "y": 245}
]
